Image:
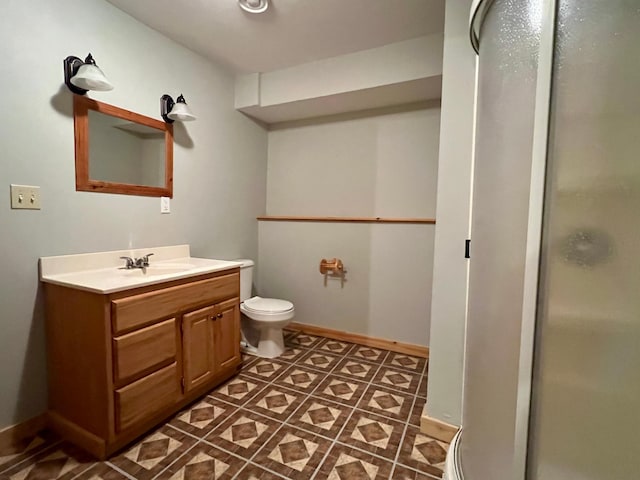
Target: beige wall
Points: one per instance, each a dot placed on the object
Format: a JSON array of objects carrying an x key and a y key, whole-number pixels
[
  {"x": 390, "y": 64},
  {"x": 450, "y": 268},
  {"x": 219, "y": 165},
  {"x": 380, "y": 165},
  {"x": 395, "y": 74}
]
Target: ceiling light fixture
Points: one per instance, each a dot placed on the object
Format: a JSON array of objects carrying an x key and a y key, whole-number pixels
[
  {"x": 178, "y": 110},
  {"x": 254, "y": 6},
  {"x": 81, "y": 76}
]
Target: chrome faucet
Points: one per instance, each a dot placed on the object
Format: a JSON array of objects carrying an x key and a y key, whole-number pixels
[
  {"x": 130, "y": 263},
  {"x": 142, "y": 262}
]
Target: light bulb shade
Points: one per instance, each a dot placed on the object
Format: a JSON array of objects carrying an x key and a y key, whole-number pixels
[
  {"x": 181, "y": 112},
  {"x": 171, "y": 111},
  {"x": 90, "y": 77},
  {"x": 82, "y": 76},
  {"x": 254, "y": 6}
]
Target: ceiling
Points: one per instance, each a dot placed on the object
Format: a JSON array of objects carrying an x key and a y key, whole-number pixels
[{"x": 290, "y": 32}]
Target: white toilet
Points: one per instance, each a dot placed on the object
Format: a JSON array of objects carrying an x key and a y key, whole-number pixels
[{"x": 262, "y": 318}]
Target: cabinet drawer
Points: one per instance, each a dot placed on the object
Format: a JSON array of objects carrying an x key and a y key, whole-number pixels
[
  {"x": 138, "y": 310},
  {"x": 140, "y": 351},
  {"x": 148, "y": 396}
]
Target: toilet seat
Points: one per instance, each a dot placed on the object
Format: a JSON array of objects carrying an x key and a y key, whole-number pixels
[
  {"x": 267, "y": 309},
  {"x": 267, "y": 305}
]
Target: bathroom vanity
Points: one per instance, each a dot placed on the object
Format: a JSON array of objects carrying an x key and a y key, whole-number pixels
[{"x": 127, "y": 348}]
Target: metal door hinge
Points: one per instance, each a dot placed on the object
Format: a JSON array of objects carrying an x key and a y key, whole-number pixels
[{"x": 467, "y": 248}]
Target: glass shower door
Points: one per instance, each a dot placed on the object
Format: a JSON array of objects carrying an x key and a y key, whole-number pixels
[
  {"x": 506, "y": 106},
  {"x": 585, "y": 422}
]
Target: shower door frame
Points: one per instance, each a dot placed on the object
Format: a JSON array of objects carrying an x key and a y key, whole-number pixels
[{"x": 542, "y": 113}]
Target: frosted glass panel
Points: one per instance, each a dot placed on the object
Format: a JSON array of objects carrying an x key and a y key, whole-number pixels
[
  {"x": 506, "y": 100},
  {"x": 586, "y": 419}
]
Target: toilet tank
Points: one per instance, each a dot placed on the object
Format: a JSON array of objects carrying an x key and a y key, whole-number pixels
[{"x": 246, "y": 278}]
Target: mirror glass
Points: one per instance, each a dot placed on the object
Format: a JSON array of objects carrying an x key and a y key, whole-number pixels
[
  {"x": 122, "y": 151},
  {"x": 119, "y": 151}
]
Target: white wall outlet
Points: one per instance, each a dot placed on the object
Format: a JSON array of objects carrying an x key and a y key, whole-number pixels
[
  {"x": 165, "y": 205},
  {"x": 25, "y": 197}
]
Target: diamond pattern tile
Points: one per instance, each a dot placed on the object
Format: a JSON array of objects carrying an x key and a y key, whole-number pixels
[
  {"x": 153, "y": 453},
  {"x": 20, "y": 450},
  {"x": 429, "y": 450},
  {"x": 405, "y": 362},
  {"x": 248, "y": 359},
  {"x": 320, "y": 360},
  {"x": 265, "y": 369},
  {"x": 368, "y": 353},
  {"x": 387, "y": 402},
  {"x": 293, "y": 453},
  {"x": 292, "y": 354},
  {"x": 63, "y": 463},
  {"x": 404, "y": 473},
  {"x": 334, "y": 346},
  {"x": 243, "y": 433},
  {"x": 422, "y": 453},
  {"x": 300, "y": 378},
  {"x": 341, "y": 390},
  {"x": 373, "y": 433},
  {"x": 101, "y": 471},
  {"x": 238, "y": 390},
  {"x": 253, "y": 472},
  {"x": 397, "y": 379},
  {"x": 201, "y": 417},
  {"x": 276, "y": 402},
  {"x": 320, "y": 416},
  {"x": 204, "y": 462},
  {"x": 351, "y": 367},
  {"x": 324, "y": 409},
  {"x": 345, "y": 463},
  {"x": 289, "y": 333},
  {"x": 303, "y": 340}
]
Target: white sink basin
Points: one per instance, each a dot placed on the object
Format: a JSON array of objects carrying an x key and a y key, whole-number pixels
[
  {"x": 151, "y": 270},
  {"x": 101, "y": 272}
]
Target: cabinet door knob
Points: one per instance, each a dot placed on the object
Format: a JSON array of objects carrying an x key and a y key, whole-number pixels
[
  {"x": 213, "y": 317},
  {"x": 219, "y": 315}
]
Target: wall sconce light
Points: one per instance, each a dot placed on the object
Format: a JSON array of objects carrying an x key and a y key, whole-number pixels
[
  {"x": 81, "y": 76},
  {"x": 178, "y": 110}
]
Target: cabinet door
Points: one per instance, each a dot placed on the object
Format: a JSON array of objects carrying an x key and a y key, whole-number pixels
[
  {"x": 227, "y": 334},
  {"x": 198, "y": 347}
]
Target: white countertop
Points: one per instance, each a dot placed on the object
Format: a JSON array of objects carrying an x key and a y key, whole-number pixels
[{"x": 101, "y": 272}]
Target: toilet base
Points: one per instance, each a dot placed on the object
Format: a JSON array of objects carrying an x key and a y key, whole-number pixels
[
  {"x": 271, "y": 343},
  {"x": 264, "y": 338}
]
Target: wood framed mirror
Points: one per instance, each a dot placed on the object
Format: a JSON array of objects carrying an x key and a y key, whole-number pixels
[{"x": 118, "y": 151}]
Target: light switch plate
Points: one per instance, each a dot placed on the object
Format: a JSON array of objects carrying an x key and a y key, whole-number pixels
[
  {"x": 165, "y": 205},
  {"x": 25, "y": 197}
]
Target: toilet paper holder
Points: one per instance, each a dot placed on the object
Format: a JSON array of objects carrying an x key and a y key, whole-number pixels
[{"x": 332, "y": 267}]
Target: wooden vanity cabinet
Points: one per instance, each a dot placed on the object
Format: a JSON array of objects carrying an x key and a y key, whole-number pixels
[{"x": 121, "y": 363}]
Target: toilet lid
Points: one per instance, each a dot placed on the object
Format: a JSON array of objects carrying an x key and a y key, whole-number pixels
[{"x": 269, "y": 305}]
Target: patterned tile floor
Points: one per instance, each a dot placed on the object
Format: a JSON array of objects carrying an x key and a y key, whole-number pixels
[{"x": 325, "y": 410}]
